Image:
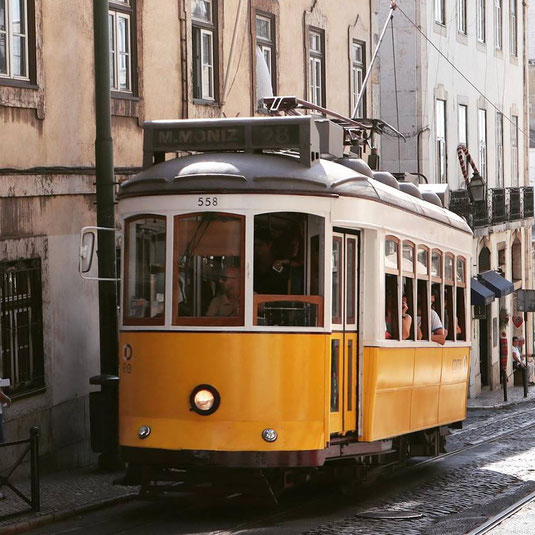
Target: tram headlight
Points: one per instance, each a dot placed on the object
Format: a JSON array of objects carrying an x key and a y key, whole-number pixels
[{"x": 204, "y": 399}]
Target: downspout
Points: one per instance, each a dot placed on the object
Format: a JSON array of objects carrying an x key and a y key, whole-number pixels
[{"x": 420, "y": 132}]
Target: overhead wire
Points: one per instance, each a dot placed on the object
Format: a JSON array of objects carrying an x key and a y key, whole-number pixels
[
  {"x": 396, "y": 90},
  {"x": 487, "y": 99}
]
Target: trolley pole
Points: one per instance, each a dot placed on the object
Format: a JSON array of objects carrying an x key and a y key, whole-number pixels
[{"x": 104, "y": 413}]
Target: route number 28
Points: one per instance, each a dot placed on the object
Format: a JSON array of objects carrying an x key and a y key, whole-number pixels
[{"x": 207, "y": 201}]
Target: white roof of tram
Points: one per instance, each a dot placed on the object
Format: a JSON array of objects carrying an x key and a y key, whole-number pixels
[{"x": 275, "y": 173}]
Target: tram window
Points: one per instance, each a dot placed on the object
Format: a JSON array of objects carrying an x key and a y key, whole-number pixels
[
  {"x": 337, "y": 281},
  {"x": 449, "y": 318},
  {"x": 436, "y": 264},
  {"x": 288, "y": 269},
  {"x": 208, "y": 276},
  {"x": 448, "y": 268},
  {"x": 391, "y": 254},
  {"x": 460, "y": 271},
  {"x": 460, "y": 328},
  {"x": 422, "y": 265},
  {"x": 422, "y": 321},
  {"x": 145, "y": 270},
  {"x": 407, "y": 326},
  {"x": 436, "y": 300},
  {"x": 391, "y": 307}
]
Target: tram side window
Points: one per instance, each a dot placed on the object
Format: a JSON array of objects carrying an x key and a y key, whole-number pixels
[
  {"x": 145, "y": 270},
  {"x": 208, "y": 269},
  {"x": 461, "y": 320},
  {"x": 407, "y": 310},
  {"x": 391, "y": 307},
  {"x": 288, "y": 269},
  {"x": 449, "y": 318},
  {"x": 423, "y": 311}
]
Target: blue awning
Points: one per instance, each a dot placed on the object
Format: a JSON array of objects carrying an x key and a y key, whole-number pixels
[
  {"x": 498, "y": 284},
  {"x": 480, "y": 294}
]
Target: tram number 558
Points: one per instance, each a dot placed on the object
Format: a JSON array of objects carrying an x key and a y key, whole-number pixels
[{"x": 207, "y": 201}]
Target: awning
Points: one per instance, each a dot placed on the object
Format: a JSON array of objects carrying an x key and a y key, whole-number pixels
[
  {"x": 480, "y": 294},
  {"x": 498, "y": 284}
]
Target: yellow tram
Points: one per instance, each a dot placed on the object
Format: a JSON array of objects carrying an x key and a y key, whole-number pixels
[{"x": 268, "y": 281}]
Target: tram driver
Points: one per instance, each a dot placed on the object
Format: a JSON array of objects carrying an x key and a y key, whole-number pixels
[{"x": 226, "y": 303}]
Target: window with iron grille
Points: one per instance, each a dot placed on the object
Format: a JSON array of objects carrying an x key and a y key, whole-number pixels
[{"x": 21, "y": 325}]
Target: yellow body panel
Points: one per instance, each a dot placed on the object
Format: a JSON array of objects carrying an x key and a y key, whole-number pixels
[
  {"x": 412, "y": 388},
  {"x": 265, "y": 380}
]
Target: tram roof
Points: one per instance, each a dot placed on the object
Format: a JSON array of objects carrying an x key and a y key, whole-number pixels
[{"x": 275, "y": 173}]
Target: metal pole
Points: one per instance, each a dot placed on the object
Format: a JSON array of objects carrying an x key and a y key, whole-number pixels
[
  {"x": 393, "y": 6},
  {"x": 34, "y": 468},
  {"x": 504, "y": 381},
  {"x": 107, "y": 290}
]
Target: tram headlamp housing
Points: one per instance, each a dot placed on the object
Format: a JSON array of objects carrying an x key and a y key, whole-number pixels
[{"x": 204, "y": 400}]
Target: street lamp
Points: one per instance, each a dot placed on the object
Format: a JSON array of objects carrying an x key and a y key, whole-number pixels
[{"x": 477, "y": 187}]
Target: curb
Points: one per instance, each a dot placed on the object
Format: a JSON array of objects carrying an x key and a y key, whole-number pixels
[{"x": 48, "y": 518}]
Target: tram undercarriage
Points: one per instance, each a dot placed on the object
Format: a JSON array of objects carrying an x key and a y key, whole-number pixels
[{"x": 344, "y": 461}]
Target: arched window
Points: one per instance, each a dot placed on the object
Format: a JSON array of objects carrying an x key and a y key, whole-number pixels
[
  {"x": 422, "y": 299},
  {"x": 449, "y": 324},
  {"x": 408, "y": 266},
  {"x": 460, "y": 281}
]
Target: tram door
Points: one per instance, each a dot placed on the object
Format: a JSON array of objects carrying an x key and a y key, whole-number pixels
[{"x": 343, "y": 399}]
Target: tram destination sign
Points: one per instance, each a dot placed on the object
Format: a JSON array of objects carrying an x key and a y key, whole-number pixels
[{"x": 249, "y": 134}]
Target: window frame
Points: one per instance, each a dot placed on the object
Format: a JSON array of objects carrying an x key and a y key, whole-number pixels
[
  {"x": 440, "y": 277},
  {"x": 338, "y": 318},
  {"x": 498, "y": 24},
  {"x": 270, "y": 44},
  {"x": 499, "y": 150},
  {"x": 127, "y": 321},
  {"x": 513, "y": 27},
  {"x": 126, "y": 9},
  {"x": 198, "y": 28},
  {"x": 514, "y": 151},
  {"x": 316, "y": 58},
  {"x": 356, "y": 84},
  {"x": 461, "y": 17},
  {"x": 441, "y": 140},
  {"x": 482, "y": 127},
  {"x": 481, "y": 21},
  {"x": 207, "y": 321},
  {"x": 440, "y": 12},
  {"x": 30, "y": 78}
]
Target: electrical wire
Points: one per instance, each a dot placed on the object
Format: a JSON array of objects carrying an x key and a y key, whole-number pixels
[
  {"x": 396, "y": 91},
  {"x": 527, "y": 136}
]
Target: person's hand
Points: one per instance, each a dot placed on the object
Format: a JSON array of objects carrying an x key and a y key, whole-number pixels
[{"x": 404, "y": 308}]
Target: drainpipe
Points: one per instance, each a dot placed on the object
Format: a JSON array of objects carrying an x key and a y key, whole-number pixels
[
  {"x": 104, "y": 404},
  {"x": 420, "y": 132}
]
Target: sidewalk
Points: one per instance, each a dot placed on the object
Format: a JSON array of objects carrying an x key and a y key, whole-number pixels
[
  {"x": 493, "y": 399},
  {"x": 63, "y": 494}
]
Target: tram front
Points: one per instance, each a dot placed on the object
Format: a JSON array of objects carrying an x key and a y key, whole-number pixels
[{"x": 226, "y": 352}]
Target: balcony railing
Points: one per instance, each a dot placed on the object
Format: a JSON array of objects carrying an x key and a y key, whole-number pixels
[{"x": 502, "y": 205}]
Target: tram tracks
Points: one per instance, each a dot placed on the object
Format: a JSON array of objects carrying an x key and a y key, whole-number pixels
[
  {"x": 497, "y": 519},
  {"x": 378, "y": 493}
]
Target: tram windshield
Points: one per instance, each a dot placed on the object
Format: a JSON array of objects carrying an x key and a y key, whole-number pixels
[
  {"x": 288, "y": 283},
  {"x": 145, "y": 269},
  {"x": 208, "y": 269}
]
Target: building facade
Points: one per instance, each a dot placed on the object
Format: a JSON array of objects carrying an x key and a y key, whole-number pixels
[
  {"x": 456, "y": 75},
  {"x": 169, "y": 59}
]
